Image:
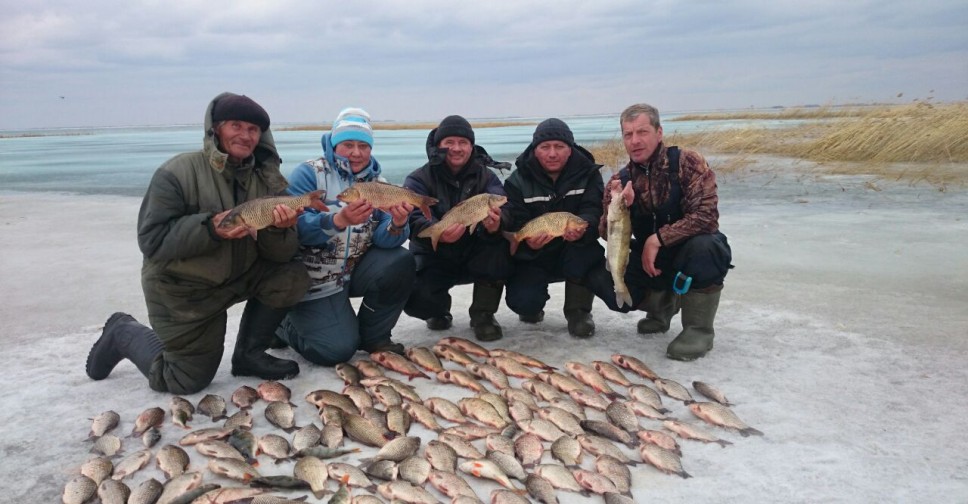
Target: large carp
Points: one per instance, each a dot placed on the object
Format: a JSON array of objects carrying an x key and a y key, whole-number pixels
[
  {"x": 256, "y": 214},
  {"x": 383, "y": 195},
  {"x": 619, "y": 224},
  {"x": 467, "y": 213},
  {"x": 554, "y": 224}
]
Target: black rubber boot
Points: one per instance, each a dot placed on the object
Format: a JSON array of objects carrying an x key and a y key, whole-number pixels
[
  {"x": 256, "y": 332},
  {"x": 531, "y": 318},
  {"x": 660, "y": 307},
  {"x": 441, "y": 323},
  {"x": 123, "y": 337},
  {"x": 698, "y": 313},
  {"x": 578, "y": 310},
  {"x": 487, "y": 297}
]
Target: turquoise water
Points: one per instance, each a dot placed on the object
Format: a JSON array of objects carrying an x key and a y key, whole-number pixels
[{"x": 122, "y": 161}]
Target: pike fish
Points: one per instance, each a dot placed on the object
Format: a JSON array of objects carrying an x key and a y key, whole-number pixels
[
  {"x": 383, "y": 195},
  {"x": 469, "y": 212},
  {"x": 619, "y": 238},
  {"x": 256, "y": 214},
  {"x": 554, "y": 224}
]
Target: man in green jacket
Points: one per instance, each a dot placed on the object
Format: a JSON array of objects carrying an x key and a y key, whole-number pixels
[{"x": 194, "y": 270}]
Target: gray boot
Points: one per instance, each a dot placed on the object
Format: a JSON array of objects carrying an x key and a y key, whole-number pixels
[
  {"x": 578, "y": 310},
  {"x": 487, "y": 298},
  {"x": 123, "y": 337},
  {"x": 660, "y": 306},
  {"x": 698, "y": 313}
]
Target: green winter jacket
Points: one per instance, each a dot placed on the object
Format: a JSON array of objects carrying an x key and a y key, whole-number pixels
[{"x": 175, "y": 233}]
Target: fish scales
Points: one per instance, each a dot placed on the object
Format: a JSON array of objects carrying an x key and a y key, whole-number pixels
[
  {"x": 554, "y": 224},
  {"x": 619, "y": 239},
  {"x": 467, "y": 213},
  {"x": 256, "y": 214},
  {"x": 383, "y": 195}
]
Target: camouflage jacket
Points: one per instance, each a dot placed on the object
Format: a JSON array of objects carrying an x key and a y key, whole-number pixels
[{"x": 699, "y": 202}]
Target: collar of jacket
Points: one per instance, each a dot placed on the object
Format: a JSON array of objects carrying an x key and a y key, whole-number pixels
[{"x": 655, "y": 162}]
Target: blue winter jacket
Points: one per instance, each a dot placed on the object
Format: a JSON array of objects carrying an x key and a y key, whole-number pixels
[{"x": 330, "y": 253}]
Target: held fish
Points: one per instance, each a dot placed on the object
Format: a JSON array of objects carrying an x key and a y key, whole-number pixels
[
  {"x": 554, "y": 224},
  {"x": 256, "y": 214},
  {"x": 383, "y": 195},
  {"x": 619, "y": 238},
  {"x": 469, "y": 212}
]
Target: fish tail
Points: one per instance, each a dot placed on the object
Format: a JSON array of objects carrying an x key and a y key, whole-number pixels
[{"x": 750, "y": 431}]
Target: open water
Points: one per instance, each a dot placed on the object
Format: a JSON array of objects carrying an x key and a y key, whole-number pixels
[{"x": 121, "y": 161}]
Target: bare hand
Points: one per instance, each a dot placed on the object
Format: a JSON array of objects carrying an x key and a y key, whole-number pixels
[
  {"x": 353, "y": 214},
  {"x": 453, "y": 233},
  {"x": 232, "y": 233},
  {"x": 284, "y": 217},
  {"x": 493, "y": 220},
  {"x": 400, "y": 213},
  {"x": 649, "y": 253},
  {"x": 536, "y": 242}
]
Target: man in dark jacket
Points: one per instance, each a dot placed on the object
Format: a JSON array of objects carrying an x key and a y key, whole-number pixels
[
  {"x": 678, "y": 257},
  {"x": 194, "y": 269},
  {"x": 555, "y": 175},
  {"x": 457, "y": 169}
]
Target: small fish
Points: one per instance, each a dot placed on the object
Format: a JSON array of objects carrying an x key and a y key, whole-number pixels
[
  {"x": 541, "y": 489},
  {"x": 621, "y": 414},
  {"x": 518, "y": 395},
  {"x": 442, "y": 456},
  {"x": 398, "y": 420},
  {"x": 342, "y": 496},
  {"x": 540, "y": 389},
  {"x": 616, "y": 471},
  {"x": 241, "y": 419},
  {"x": 349, "y": 475},
  {"x": 272, "y": 390},
  {"x": 520, "y": 411},
  {"x": 279, "y": 481},
  {"x": 468, "y": 213},
  {"x": 365, "y": 431},
  {"x": 646, "y": 411},
  {"x": 275, "y": 446},
  {"x": 564, "y": 383},
  {"x": 425, "y": 358},
  {"x": 659, "y": 438},
  {"x": 232, "y": 495},
  {"x": 594, "y": 482},
  {"x": 618, "y": 239},
  {"x": 131, "y": 464},
  {"x": 568, "y": 404},
  {"x": 646, "y": 395},
  {"x": 245, "y": 396},
  {"x": 107, "y": 445},
  {"x": 383, "y": 195},
  {"x": 400, "y": 490},
  {"x": 597, "y": 445},
  {"x": 445, "y": 409},
  {"x": 469, "y": 431},
  {"x": 452, "y": 354},
  {"x": 246, "y": 443},
  {"x": 281, "y": 415},
  {"x": 151, "y": 437},
  {"x": 500, "y": 404},
  {"x": 320, "y": 398},
  {"x": 590, "y": 400},
  {"x": 568, "y": 423},
  {"x": 465, "y": 345},
  {"x": 568, "y": 450},
  {"x": 181, "y": 417},
  {"x": 526, "y": 360},
  {"x": 220, "y": 449},
  {"x": 385, "y": 470},
  {"x": 387, "y": 395},
  {"x": 489, "y": 373},
  {"x": 689, "y": 431},
  {"x": 306, "y": 437},
  {"x": 722, "y": 416},
  {"x": 368, "y": 368},
  {"x": 617, "y": 498},
  {"x": 482, "y": 411},
  {"x": 508, "y": 464},
  {"x": 542, "y": 428},
  {"x": 212, "y": 406},
  {"x": 662, "y": 459},
  {"x": 147, "y": 492},
  {"x": 711, "y": 392},
  {"x": 609, "y": 431},
  {"x": 450, "y": 484},
  {"x": 559, "y": 476},
  {"x": 151, "y": 417},
  {"x": 79, "y": 490},
  {"x": 634, "y": 365},
  {"x": 179, "y": 486},
  {"x": 256, "y": 214},
  {"x": 611, "y": 373},
  {"x": 511, "y": 367},
  {"x": 461, "y": 379},
  {"x": 180, "y": 403},
  {"x": 98, "y": 469},
  {"x": 398, "y": 363},
  {"x": 502, "y": 496},
  {"x": 674, "y": 389},
  {"x": 103, "y": 423},
  {"x": 313, "y": 471},
  {"x": 325, "y": 452},
  {"x": 397, "y": 449},
  {"x": 486, "y": 469},
  {"x": 415, "y": 469},
  {"x": 422, "y": 415},
  {"x": 461, "y": 446},
  {"x": 208, "y": 434},
  {"x": 554, "y": 224},
  {"x": 348, "y": 373},
  {"x": 528, "y": 449},
  {"x": 587, "y": 375},
  {"x": 233, "y": 469},
  {"x": 172, "y": 460},
  {"x": 193, "y": 494}
]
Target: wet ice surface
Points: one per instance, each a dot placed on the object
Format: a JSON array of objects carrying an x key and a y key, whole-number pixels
[{"x": 841, "y": 335}]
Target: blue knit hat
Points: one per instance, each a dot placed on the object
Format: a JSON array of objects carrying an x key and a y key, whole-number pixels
[{"x": 352, "y": 124}]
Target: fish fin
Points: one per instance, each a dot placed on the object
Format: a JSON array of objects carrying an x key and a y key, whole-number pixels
[
  {"x": 320, "y": 493},
  {"x": 750, "y": 431},
  {"x": 425, "y": 210},
  {"x": 254, "y": 233},
  {"x": 723, "y": 442},
  {"x": 628, "y": 194},
  {"x": 434, "y": 239}
]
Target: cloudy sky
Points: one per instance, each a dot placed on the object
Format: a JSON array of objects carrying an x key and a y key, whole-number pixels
[{"x": 65, "y": 63}]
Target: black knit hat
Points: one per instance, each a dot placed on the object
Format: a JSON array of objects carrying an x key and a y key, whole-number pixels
[
  {"x": 240, "y": 108},
  {"x": 454, "y": 125},
  {"x": 552, "y": 129}
]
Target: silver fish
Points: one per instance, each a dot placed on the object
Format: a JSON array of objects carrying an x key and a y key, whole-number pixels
[
  {"x": 662, "y": 459},
  {"x": 593, "y": 481},
  {"x": 415, "y": 469},
  {"x": 147, "y": 492},
  {"x": 131, "y": 464},
  {"x": 541, "y": 489},
  {"x": 107, "y": 445},
  {"x": 212, "y": 406},
  {"x": 98, "y": 469},
  {"x": 717, "y": 414},
  {"x": 282, "y": 415},
  {"x": 151, "y": 417},
  {"x": 711, "y": 392},
  {"x": 271, "y": 390},
  {"x": 103, "y": 423},
  {"x": 79, "y": 490},
  {"x": 313, "y": 471},
  {"x": 245, "y": 396},
  {"x": 450, "y": 484},
  {"x": 568, "y": 450},
  {"x": 172, "y": 460},
  {"x": 113, "y": 492}
]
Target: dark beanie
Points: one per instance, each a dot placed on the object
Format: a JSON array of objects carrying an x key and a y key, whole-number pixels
[
  {"x": 240, "y": 108},
  {"x": 454, "y": 125},
  {"x": 553, "y": 129}
]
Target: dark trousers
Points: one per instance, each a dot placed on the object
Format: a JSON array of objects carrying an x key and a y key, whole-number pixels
[
  {"x": 527, "y": 287},
  {"x": 190, "y": 320},
  {"x": 480, "y": 260}
]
